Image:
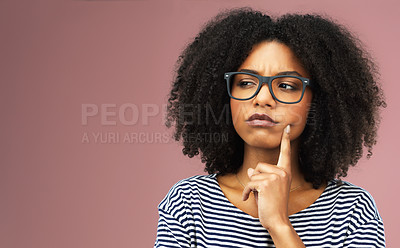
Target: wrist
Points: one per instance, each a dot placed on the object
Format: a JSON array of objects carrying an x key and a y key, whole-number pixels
[
  {"x": 284, "y": 235},
  {"x": 282, "y": 228},
  {"x": 276, "y": 222}
]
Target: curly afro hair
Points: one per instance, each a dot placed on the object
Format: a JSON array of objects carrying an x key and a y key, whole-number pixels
[{"x": 344, "y": 114}]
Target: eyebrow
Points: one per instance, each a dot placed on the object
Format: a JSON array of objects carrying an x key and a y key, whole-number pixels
[{"x": 289, "y": 73}]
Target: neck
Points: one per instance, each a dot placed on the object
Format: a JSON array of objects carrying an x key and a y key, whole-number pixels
[{"x": 254, "y": 155}]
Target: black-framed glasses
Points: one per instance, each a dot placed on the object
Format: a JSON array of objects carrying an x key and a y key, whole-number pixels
[{"x": 284, "y": 88}]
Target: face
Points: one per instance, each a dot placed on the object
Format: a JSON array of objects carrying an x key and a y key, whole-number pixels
[{"x": 269, "y": 58}]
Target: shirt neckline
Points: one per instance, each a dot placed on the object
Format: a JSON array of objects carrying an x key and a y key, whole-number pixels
[{"x": 328, "y": 187}]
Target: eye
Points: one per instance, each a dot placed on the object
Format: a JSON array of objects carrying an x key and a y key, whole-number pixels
[
  {"x": 247, "y": 83},
  {"x": 286, "y": 86}
]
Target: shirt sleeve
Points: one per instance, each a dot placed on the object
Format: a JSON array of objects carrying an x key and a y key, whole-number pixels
[
  {"x": 170, "y": 232},
  {"x": 370, "y": 234},
  {"x": 366, "y": 227}
]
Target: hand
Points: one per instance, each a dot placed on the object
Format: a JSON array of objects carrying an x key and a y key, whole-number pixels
[{"x": 271, "y": 186}]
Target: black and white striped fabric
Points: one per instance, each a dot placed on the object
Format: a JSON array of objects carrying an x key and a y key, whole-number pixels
[{"x": 196, "y": 213}]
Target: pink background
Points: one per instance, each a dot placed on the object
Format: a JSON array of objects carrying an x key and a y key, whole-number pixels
[{"x": 59, "y": 56}]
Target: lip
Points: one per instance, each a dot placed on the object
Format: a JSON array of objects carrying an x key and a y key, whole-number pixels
[
  {"x": 260, "y": 120},
  {"x": 261, "y": 123}
]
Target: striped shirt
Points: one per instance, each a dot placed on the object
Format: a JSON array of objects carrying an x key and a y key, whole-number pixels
[{"x": 196, "y": 213}]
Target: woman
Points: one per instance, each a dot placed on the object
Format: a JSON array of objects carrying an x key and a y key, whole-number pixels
[{"x": 301, "y": 99}]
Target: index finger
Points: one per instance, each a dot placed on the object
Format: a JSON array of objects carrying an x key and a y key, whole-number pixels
[{"x": 284, "y": 155}]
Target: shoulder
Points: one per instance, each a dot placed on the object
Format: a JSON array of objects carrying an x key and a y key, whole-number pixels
[
  {"x": 356, "y": 200},
  {"x": 186, "y": 190}
]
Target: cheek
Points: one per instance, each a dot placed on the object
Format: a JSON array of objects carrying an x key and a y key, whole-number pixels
[
  {"x": 297, "y": 118},
  {"x": 297, "y": 115},
  {"x": 238, "y": 110}
]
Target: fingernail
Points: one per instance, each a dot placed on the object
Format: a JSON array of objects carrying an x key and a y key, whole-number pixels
[
  {"x": 287, "y": 129},
  {"x": 250, "y": 172}
]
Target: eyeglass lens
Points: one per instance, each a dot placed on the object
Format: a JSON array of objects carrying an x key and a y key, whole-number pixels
[{"x": 286, "y": 89}]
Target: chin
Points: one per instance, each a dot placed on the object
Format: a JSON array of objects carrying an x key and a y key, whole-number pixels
[{"x": 266, "y": 143}]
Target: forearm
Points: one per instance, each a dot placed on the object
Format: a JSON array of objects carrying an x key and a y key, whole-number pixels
[{"x": 285, "y": 236}]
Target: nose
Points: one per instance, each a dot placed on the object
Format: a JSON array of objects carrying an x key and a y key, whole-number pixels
[{"x": 264, "y": 97}]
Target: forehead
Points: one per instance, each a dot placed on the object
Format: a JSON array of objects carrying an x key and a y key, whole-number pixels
[{"x": 271, "y": 57}]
